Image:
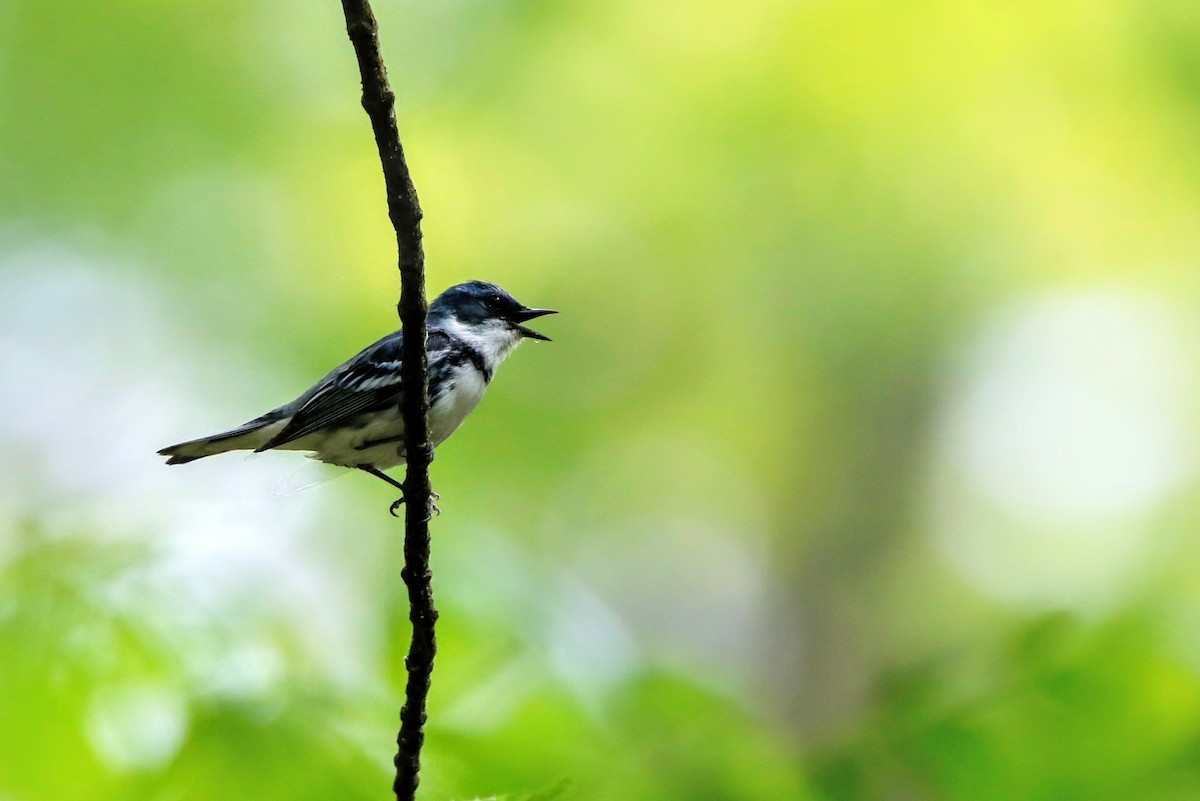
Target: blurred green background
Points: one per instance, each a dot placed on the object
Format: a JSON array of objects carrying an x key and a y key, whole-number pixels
[{"x": 863, "y": 464}]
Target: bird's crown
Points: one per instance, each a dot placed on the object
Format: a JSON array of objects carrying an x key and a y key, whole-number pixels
[{"x": 475, "y": 301}]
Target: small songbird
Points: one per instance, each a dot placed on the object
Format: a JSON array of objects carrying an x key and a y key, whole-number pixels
[{"x": 352, "y": 417}]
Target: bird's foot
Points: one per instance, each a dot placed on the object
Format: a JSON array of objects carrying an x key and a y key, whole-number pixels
[{"x": 433, "y": 496}]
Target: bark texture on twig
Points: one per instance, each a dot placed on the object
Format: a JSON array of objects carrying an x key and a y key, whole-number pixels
[{"x": 405, "y": 213}]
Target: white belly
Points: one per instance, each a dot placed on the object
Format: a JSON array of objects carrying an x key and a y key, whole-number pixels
[
  {"x": 344, "y": 445},
  {"x": 348, "y": 445},
  {"x": 452, "y": 407}
]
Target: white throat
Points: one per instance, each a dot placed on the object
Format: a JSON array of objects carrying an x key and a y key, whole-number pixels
[{"x": 494, "y": 339}]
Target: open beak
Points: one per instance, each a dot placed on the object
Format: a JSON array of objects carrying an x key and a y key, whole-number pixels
[{"x": 529, "y": 314}]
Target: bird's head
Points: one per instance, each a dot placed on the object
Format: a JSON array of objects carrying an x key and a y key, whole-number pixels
[{"x": 486, "y": 315}]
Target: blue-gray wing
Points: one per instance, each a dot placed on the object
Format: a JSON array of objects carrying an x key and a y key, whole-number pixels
[{"x": 366, "y": 383}]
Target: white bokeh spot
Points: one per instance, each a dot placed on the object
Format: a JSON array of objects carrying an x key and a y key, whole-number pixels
[{"x": 1067, "y": 430}]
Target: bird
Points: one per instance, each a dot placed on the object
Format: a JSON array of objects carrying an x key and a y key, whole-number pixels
[{"x": 352, "y": 416}]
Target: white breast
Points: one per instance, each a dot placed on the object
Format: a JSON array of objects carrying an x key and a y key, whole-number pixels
[{"x": 452, "y": 407}]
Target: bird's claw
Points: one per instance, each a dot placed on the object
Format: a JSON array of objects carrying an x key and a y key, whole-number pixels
[{"x": 434, "y": 497}]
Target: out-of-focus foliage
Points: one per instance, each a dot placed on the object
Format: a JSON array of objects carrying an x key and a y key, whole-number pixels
[{"x": 863, "y": 464}]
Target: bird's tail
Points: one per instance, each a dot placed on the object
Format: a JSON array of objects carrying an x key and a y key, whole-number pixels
[{"x": 245, "y": 437}]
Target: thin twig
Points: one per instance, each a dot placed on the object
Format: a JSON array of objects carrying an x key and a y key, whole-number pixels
[{"x": 405, "y": 213}]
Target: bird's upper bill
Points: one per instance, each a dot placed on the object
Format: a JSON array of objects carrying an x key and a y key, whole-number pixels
[{"x": 524, "y": 315}]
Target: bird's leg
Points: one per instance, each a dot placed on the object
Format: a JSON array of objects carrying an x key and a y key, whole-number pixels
[
  {"x": 396, "y": 504},
  {"x": 366, "y": 468}
]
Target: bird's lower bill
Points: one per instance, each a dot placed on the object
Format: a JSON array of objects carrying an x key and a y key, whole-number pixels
[{"x": 529, "y": 332}]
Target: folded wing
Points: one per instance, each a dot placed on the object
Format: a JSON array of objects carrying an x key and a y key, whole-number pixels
[{"x": 368, "y": 382}]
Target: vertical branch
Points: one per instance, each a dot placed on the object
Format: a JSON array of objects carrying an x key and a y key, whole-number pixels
[{"x": 405, "y": 213}]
